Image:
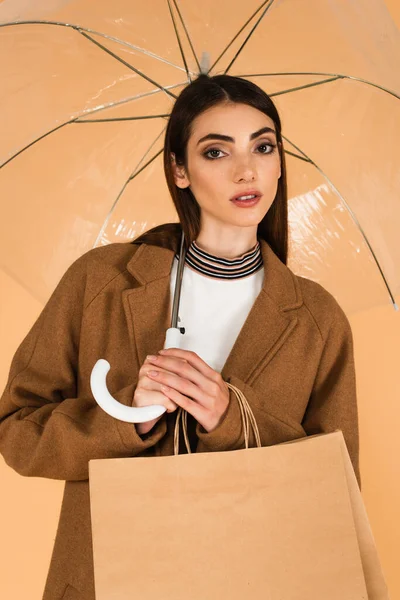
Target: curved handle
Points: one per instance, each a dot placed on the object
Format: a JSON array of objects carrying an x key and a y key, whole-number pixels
[{"x": 130, "y": 414}]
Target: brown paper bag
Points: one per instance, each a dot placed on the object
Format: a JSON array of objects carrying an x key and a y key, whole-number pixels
[{"x": 284, "y": 522}]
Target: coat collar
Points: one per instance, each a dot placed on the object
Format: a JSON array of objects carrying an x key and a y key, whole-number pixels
[{"x": 269, "y": 323}]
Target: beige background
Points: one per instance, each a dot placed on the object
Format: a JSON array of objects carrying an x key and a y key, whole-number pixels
[{"x": 29, "y": 508}]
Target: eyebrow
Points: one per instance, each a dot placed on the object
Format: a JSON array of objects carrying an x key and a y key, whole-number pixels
[{"x": 228, "y": 138}]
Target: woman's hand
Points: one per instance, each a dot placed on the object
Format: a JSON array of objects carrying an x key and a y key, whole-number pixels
[
  {"x": 148, "y": 392},
  {"x": 189, "y": 382}
]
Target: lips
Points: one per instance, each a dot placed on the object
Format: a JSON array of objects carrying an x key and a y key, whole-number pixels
[{"x": 256, "y": 193}]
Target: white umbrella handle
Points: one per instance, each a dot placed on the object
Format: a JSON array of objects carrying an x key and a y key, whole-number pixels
[{"x": 130, "y": 414}]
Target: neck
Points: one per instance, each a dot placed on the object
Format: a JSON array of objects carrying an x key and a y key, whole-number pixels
[{"x": 226, "y": 250}]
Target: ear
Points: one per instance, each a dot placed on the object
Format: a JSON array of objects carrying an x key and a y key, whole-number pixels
[{"x": 181, "y": 179}]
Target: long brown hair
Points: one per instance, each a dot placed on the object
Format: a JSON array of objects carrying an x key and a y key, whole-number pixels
[{"x": 200, "y": 95}]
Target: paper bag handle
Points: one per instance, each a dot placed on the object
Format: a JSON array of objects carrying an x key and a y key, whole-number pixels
[{"x": 246, "y": 414}]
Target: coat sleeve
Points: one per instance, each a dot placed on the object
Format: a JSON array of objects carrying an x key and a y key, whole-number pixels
[
  {"x": 228, "y": 434},
  {"x": 333, "y": 401},
  {"x": 45, "y": 429}
]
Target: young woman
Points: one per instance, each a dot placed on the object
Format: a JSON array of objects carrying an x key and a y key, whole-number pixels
[{"x": 281, "y": 339}]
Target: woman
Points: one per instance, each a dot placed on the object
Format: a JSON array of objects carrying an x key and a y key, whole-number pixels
[{"x": 282, "y": 339}]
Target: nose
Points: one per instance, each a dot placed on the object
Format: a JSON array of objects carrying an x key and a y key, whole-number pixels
[{"x": 245, "y": 171}]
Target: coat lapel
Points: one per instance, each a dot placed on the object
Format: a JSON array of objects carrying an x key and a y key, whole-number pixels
[
  {"x": 268, "y": 326},
  {"x": 147, "y": 306}
]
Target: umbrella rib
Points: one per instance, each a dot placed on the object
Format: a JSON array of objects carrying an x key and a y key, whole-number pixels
[
  {"x": 76, "y": 120},
  {"x": 130, "y": 178},
  {"x": 117, "y": 119},
  {"x": 124, "y": 62},
  {"x": 304, "y": 87},
  {"x": 249, "y": 36},
  {"x": 99, "y": 33},
  {"x": 297, "y": 156},
  {"x": 336, "y": 75},
  {"x": 129, "y": 99},
  {"x": 238, "y": 33},
  {"x": 34, "y": 142},
  {"x": 352, "y": 215},
  {"x": 179, "y": 41},
  {"x": 187, "y": 34},
  {"x": 136, "y": 173}
]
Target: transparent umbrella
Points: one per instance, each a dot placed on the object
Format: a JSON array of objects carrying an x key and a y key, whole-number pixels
[{"x": 86, "y": 93}]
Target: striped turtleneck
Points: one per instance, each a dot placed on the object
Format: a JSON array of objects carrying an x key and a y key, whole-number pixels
[{"x": 223, "y": 268}]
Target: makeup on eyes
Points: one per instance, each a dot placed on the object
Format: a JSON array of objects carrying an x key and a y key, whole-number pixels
[{"x": 216, "y": 149}]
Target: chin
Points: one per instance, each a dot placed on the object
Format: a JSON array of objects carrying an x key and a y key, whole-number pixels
[{"x": 246, "y": 221}]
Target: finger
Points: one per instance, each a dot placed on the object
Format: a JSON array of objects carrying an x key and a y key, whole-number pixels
[
  {"x": 183, "y": 401},
  {"x": 146, "y": 367},
  {"x": 209, "y": 385},
  {"x": 144, "y": 397},
  {"x": 193, "y": 359},
  {"x": 179, "y": 384},
  {"x": 148, "y": 383},
  {"x": 179, "y": 366}
]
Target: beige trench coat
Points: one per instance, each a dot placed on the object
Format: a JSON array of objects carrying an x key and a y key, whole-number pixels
[{"x": 293, "y": 360}]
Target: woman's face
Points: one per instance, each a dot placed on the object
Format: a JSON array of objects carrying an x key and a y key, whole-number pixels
[{"x": 219, "y": 168}]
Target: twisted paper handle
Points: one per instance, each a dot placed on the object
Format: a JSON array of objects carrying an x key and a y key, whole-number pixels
[{"x": 247, "y": 419}]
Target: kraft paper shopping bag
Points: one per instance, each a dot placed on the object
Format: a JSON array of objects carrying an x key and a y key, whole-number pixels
[{"x": 282, "y": 522}]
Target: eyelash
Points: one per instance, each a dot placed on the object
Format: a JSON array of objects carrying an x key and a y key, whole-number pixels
[{"x": 273, "y": 146}]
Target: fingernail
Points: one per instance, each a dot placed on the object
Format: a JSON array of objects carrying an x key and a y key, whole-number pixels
[
  {"x": 153, "y": 373},
  {"x": 161, "y": 352},
  {"x": 151, "y": 357}
]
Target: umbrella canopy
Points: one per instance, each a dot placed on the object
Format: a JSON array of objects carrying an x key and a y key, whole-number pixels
[{"x": 86, "y": 93}]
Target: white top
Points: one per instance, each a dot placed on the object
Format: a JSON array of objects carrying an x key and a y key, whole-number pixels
[{"x": 213, "y": 311}]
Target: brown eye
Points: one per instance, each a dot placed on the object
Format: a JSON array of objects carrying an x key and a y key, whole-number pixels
[
  {"x": 265, "y": 145},
  {"x": 206, "y": 154}
]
